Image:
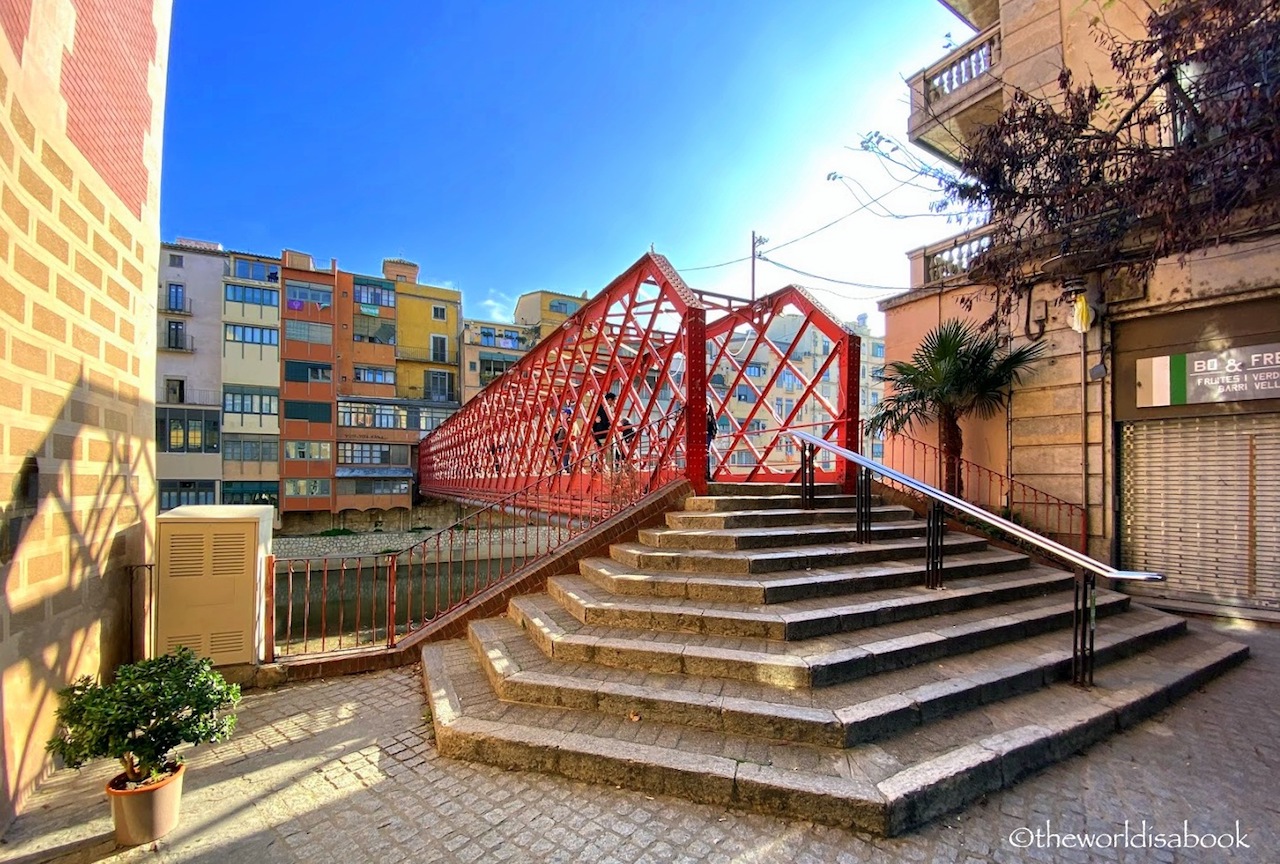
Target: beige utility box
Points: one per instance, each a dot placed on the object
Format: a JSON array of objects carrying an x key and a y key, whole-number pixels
[{"x": 211, "y": 568}]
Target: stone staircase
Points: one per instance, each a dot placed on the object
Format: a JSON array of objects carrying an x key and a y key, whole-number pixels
[{"x": 752, "y": 654}]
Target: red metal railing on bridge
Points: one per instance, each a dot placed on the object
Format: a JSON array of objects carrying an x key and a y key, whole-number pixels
[{"x": 530, "y": 453}]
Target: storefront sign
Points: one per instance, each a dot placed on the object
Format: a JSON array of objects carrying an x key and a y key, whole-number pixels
[{"x": 1230, "y": 375}]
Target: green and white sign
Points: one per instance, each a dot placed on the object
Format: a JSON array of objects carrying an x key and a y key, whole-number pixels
[{"x": 1230, "y": 375}]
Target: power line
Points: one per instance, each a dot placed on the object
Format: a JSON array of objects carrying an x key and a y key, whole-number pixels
[
  {"x": 861, "y": 206},
  {"x": 714, "y": 266},
  {"x": 880, "y": 289}
]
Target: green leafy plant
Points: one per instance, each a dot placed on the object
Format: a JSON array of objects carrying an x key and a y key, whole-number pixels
[
  {"x": 958, "y": 371},
  {"x": 152, "y": 707}
]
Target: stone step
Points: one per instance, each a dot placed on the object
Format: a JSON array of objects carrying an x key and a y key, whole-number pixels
[
  {"x": 798, "y": 619},
  {"x": 621, "y": 579},
  {"x": 642, "y": 555},
  {"x": 772, "y": 489},
  {"x": 753, "y": 500},
  {"x": 783, "y": 537},
  {"x": 775, "y": 518},
  {"x": 838, "y": 716},
  {"x": 818, "y": 662},
  {"x": 884, "y": 787}
]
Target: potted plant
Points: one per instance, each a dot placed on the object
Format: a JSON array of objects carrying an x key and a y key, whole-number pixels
[{"x": 140, "y": 718}]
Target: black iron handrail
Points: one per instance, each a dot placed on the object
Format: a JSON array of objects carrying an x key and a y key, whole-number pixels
[
  {"x": 1044, "y": 544},
  {"x": 1084, "y": 617}
]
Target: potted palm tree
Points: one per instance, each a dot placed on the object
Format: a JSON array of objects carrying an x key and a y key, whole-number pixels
[
  {"x": 140, "y": 718},
  {"x": 956, "y": 371}
]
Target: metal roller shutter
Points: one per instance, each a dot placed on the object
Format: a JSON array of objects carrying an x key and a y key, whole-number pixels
[{"x": 1200, "y": 502}]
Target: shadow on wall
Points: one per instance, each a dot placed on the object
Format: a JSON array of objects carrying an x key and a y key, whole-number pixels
[{"x": 71, "y": 529}]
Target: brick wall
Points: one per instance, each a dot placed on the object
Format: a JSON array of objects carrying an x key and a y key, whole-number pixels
[{"x": 81, "y": 98}]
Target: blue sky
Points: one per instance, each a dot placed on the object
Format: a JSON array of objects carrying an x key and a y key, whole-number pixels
[{"x": 511, "y": 147}]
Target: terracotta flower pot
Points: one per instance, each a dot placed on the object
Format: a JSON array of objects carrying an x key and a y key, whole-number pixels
[{"x": 148, "y": 812}]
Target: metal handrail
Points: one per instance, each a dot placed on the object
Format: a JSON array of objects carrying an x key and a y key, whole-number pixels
[{"x": 1030, "y": 537}]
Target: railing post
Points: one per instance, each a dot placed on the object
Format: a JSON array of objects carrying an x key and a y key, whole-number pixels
[
  {"x": 269, "y": 611},
  {"x": 1083, "y": 623},
  {"x": 862, "y": 505},
  {"x": 696, "y": 447},
  {"x": 849, "y": 429},
  {"x": 935, "y": 526},
  {"x": 391, "y": 600},
  {"x": 807, "y": 478}
]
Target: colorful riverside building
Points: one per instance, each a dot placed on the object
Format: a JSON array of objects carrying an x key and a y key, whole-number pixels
[{"x": 296, "y": 384}]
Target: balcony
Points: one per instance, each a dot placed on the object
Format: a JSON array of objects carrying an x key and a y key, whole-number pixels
[
  {"x": 951, "y": 100},
  {"x": 179, "y": 343},
  {"x": 980, "y": 14},
  {"x": 426, "y": 355},
  {"x": 178, "y": 394},
  {"x": 175, "y": 306},
  {"x": 949, "y": 259}
]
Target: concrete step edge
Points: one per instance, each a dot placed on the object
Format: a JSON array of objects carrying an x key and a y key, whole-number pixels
[
  {"x": 852, "y": 724},
  {"x": 841, "y": 613},
  {"x": 626, "y": 650},
  {"x": 936, "y": 786}
]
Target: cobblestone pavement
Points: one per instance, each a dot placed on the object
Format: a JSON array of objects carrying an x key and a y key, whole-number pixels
[{"x": 344, "y": 770}]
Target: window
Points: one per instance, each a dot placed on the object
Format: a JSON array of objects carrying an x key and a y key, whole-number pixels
[
  {"x": 826, "y": 347},
  {"x": 176, "y": 299},
  {"x": 375, "y": 375},
  {"x": 176, "y": 336},
  {"x": 251, "y": 492},
  {"x": 754, "y": 370},
  {"x": 877, "y": 450},
  {"x": 252, "y": 335},
  {"x": 372, "y": 454},
  {"x": 783, "y": 408},
  {"x": 788, "y": 380},
  {"x": 488, "y": 336},
  {"x": 472, "y": 366},
  {"x": 298, "y": 294},
  {"x": 175, "y": 260},
  {"x": 864, "y": 370},
  {"x": 877, "y": 350},
  {"x": 244, "y": 399},
  {"x": 259, "y": 271},
  {"x": 250, "y": 448},
  {"x": 252, "y": 294},
  {"x": 563, "y": 307},
  {"x": 438, "y": 313},
  {"x": 373, "y": 295},
  {"x": 439, "y": 349},
  {"x": 439, "y": 386},
  {"x": 312, "y": 412},
  {"x": 742, "y": 457},
  {"x": 187, "y": 430},
  {"x": 306, "y": 331},
  {"x": 307, "y": 488},
  {"x": 875, "y": 398},
  {"x": 175, "y": 389},
  {"x": 366, "y": 416},
  {"x": 374, "y": 486},
  {"x": 491, "y": 368},
  {"x": 312, "y": 450},
  {"x": 744, "y": 393},
  {"x": 176, "y": 493},
  {"x": 313, "y": 373},
  {"x": 379, "y": 331}
]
